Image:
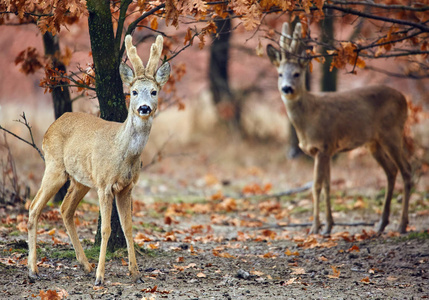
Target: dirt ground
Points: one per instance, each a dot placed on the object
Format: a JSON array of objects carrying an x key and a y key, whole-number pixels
[{"x": 210, "y": 226}]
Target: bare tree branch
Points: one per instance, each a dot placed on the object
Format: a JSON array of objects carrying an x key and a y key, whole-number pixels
[{"x": 31, "y": 143}]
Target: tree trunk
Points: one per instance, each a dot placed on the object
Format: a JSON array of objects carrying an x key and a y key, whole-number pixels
[
  {"x": 60, "y": 95},
  {"x": 329, "y": 78},
  {"x": 108, "y": 88},
  {"x": 229, "y": 110}
]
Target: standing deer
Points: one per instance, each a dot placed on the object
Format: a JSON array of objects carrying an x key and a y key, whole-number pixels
[
  {"x": 94, "y": 153},
  {"x": 333, "y": 122}
]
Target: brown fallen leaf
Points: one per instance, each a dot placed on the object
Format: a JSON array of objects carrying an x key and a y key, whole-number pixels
[
  {"x": 289, "y": 253},
  {"x": 336, "y": 272},
  {"x": 322, "y": 258},
  {"x": 365, "y": 280},
  {"x": 201, "y": 275},
  {"x": 290, "y": 281},
  {"x": 257, "y": 273},
  {"x": 297, "y": 271},
  {"x": 354, "y": 248}
]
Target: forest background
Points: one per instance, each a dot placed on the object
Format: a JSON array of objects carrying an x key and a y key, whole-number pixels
[{"x": 222, "y": 135}]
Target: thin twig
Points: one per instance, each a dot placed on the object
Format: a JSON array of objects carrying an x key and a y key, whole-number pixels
[
  {"x": 32, "y": 143},
  {"x": 157, "y": 157}
]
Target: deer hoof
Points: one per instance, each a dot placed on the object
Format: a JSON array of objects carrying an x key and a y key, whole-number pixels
[
  {"x": 314, "y": 229},
  {"x": 98, "y": 281},
  {"x": 33, "y": 276},
  {"x": 138, "y": 280},
  {"x": 326, "y": 232},
  {"x": 380, "y": 227},
  {"x": 402, "y": 228},
  {"x": 87, "y": 268}
]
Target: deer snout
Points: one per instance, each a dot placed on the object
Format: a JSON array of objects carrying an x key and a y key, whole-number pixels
[
  {"x": 287, "y": 89},
  {"x": 144, "y": 110}
]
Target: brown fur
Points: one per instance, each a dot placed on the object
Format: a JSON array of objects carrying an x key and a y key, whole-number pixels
[
  {"x": 329, "y": 123},
  {"x": 94, "y": 153}
]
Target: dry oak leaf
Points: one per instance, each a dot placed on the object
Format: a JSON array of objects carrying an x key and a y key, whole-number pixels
[
  {"x": 290, "y": 253},
  {"x": 336, "y": 272},
  {"x": 298, "y": 271},
  {"x": 354, "y": 248},
  {"x": 365, "y": 280},
  {"x": 222, "y": 254},
  {"x": 51, "y": 295},
  {"x": 257, "y": 273}
]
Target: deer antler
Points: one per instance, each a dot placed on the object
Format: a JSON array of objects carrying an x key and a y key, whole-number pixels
[
  {"x": 134, "y": 58},
  {"x": 152, "y": 64},
  {"x": 155, "y": 55},
  {"x": 295, "y": 45},
  {"x": 290, "y": 44},
  {"x": 284, "y": 40}
]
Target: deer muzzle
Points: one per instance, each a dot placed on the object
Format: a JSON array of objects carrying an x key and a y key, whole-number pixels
[
  {"x": 144, "y": 110},
  {"x": 287, "y": 89}
]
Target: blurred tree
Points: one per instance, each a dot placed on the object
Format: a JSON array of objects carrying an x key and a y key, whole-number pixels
[
  {"x": 329, "y": 77},
  {"x": 60, "y": 94},
  {"x": 222, "y": 96}
]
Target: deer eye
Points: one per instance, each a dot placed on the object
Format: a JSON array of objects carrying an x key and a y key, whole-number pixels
[
  {"x": 153, "y": 93},
  {"x": 296, "y": 75},
  {"x": 280, "y": 75},
  {"x": 135, "y": 93}
]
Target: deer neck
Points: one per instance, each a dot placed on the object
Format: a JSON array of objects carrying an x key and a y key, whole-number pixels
[
  {"x": 134, "y": 134},
  {"x": 299, "y": 108}
]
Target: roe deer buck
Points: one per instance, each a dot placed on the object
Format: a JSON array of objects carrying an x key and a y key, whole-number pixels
[
  {"x": 329, "y": 123},
  {"x": 94, "y": 153}
]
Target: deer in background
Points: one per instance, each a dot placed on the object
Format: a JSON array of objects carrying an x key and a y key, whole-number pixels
[
  {"x": 333, "y": 122},
  {"x": 94, "y": 153}
]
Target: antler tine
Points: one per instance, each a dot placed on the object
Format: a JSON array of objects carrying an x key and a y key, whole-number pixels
[
  {"x": 134, "y": 58},
  {"x": 285, "y": 36},
  {"x": 296, "y": 43},
  {"x": 155, "y": 55}
]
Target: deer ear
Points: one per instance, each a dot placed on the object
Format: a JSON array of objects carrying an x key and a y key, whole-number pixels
[
  {"x": 127, "y": 74},
  {"x": 273, "y": 55},
  {"x": 163, "y": 74}
]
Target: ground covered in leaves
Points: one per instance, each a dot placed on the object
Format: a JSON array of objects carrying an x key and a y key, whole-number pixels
[{"x": 232, "y": 233}]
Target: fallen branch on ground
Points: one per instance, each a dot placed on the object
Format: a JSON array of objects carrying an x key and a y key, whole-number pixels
[{"x": 268, "y": 226}]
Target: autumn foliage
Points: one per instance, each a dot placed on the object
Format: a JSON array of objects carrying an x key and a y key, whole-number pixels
[{"x": 396, "y": 28}]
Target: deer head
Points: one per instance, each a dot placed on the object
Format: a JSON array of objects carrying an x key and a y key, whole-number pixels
[
  {"x": 290, "y": 62},
  {"x": 144, "y": 83}
]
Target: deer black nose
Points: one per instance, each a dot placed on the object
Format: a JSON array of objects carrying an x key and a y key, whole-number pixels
[
  {"x": 144, "y": 110},
  {"x": 287, "y": 89}
]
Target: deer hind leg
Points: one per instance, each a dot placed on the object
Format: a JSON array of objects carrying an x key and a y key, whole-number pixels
[
  {"x": 105, "y": 199},
  {"x": 321, "y": 179},
  {"x": 391, "y": 171},
  {"x": 75, "y": 194},
  {"x": 53, "y": 179},
  {"x": 394, "y": 148},
  {"x": 123, "y": 203}
]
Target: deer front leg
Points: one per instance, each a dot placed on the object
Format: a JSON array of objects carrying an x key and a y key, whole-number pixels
[
  {"x": 105, "y": 198},
  {"x": 326, "y": 194},
  {"x": 321, "y": 171},
  {"x": 123, "y": 203}
]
